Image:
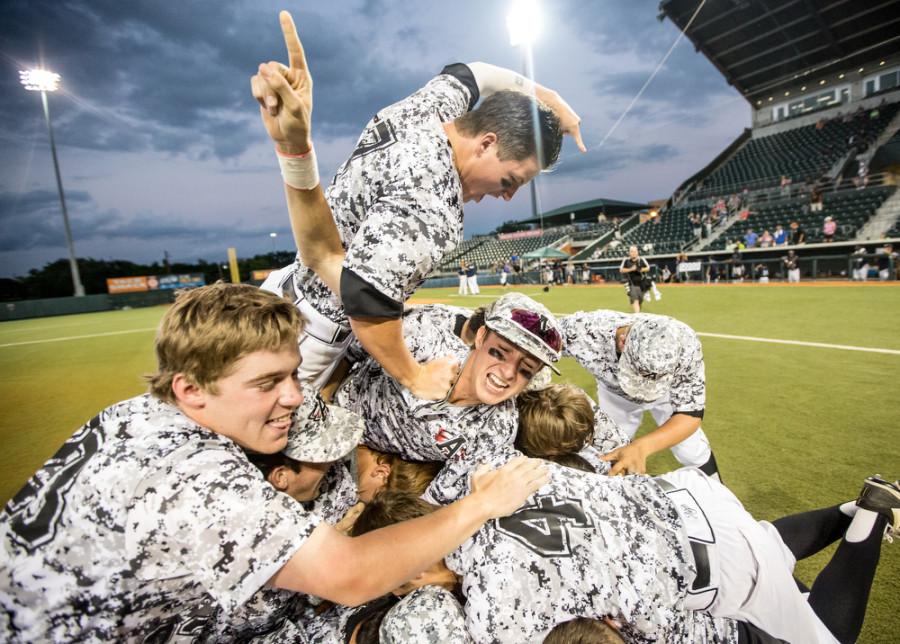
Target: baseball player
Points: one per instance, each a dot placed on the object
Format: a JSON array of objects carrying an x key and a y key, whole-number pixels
[
  {"x": 463, "y": 279},
  {"x": 477, "y": 418},
  {"x": 645, "y": 363},
  {"x": 634, "y": 269},
  {"x": 643, "y": 550},
  {"x": 397, "y": 202},
  {"x": 150, "y": 522},
  {"x": 472, "y": 278}
]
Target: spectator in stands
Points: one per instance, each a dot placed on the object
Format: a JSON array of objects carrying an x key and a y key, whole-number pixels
[
  {"x": 862, "y": 173},
  {"x": 696, "y": 225},
  {"x": 617, "y": 229},
  {"x": 750, "y": 239},
  {"x": 780, "y": 236},
  {"x": 828, "y": 229},
  {"x": 785, "y": 186},
  {"x": 601, "y": 217},
  {"x": 766, "y": 240},
  {"x": 463, "y": 282},
  {"x": 887, "y": 263},
  {"x": 792, "y": 266},
  {"x": 815, "y": 199},
  {"x": 633, "y": 269},
  {"x": 734, "y": 203},
  {"x": 860, "y": 264},
  {"x": 798, "y": 236},
  {"x": 472, "y": 278}
]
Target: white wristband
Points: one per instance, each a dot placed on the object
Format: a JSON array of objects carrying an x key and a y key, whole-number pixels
[{"x": 299, "y": 171}]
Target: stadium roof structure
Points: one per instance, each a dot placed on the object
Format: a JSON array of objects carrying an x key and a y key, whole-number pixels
[
  {"x": 587, "y": 210},
  {"x": 762, "y": 47}
]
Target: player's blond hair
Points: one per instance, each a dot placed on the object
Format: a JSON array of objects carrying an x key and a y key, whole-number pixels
[
  {"x": 407, "y": 476},
  {"x": 553, "y": 421},
  {"x": 210, "y": 328},
  {"x": 583, "y": 630}
]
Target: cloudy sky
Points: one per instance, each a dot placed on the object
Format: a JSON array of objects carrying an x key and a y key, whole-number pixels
[{"x": 161, "y": 148}]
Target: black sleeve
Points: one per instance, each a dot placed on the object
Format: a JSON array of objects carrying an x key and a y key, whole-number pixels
[
  {"x": 362, "y": 300},
  {"x": 464, "y": 75},
  {"x": 696, "y": 413}
]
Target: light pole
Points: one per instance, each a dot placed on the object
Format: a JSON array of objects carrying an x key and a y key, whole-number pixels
[
  {"x": 524, "y": 24},
  {"x": 272, "y": 236},
  {"x": 43, "y": 81}
]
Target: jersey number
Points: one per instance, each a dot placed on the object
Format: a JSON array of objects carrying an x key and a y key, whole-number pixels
[
  {"x": 35, "y": 511},
  {"x": 543, "y": 525}
]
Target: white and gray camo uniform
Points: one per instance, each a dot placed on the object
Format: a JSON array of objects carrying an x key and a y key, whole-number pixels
[{"x": 143, "y": 525}]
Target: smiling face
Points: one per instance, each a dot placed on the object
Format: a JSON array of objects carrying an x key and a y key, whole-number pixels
[
  {"x": 484, "y": 174},
  {"x": 252, "y": 405},
  {"x": 496, "y": 371}
]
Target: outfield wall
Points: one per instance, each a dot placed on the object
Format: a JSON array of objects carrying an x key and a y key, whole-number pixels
[{"x": 49, "y": 307}]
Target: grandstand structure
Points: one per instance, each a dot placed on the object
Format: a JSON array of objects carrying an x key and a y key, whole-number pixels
[{"x": 822, "y": 81}]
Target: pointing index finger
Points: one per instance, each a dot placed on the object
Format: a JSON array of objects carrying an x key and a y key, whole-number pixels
[{"x": 296, "y": 57}]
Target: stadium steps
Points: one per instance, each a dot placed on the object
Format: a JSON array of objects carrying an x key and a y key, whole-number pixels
[{"x": 884, "y": 220}]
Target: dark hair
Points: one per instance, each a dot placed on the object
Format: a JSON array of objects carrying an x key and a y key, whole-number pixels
[
  {"x": 476, "y": 320},
  {"x": 511, "y": 115},
  {"x": 574, "y": 461},
  {"x": 583, "y": 630},
  {"x": 390, "y": 507},
  {"x": 268, "y": 462}
]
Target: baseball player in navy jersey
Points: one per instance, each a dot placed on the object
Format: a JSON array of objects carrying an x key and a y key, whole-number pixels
[
  {"x": 151, "y": 523},
  {"x": 397, "y": 202}
]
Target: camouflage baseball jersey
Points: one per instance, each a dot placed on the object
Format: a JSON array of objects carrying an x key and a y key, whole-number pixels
[
  {"x": 416, "y": 429},
  {"x": 397, "y": 201},
  {"x": 337, "y": 494},
  {"x": 584, "y": 545},
  {"x": 428, "y": 615},
  {"x": 143, "y": 525},
  {"x": 591, "y": 339}
]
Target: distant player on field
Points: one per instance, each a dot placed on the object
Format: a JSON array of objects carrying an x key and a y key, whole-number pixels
[{"x": 635, "y": 270}]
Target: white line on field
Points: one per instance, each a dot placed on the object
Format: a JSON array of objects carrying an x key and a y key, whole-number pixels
[
  {"x": 77, "y": 337},
  {"x": 747, "y": 338},
  {"x": 800, "y": 343}
]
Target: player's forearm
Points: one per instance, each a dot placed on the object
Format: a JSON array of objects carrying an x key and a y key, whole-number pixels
[
  {"x": 316, "y": 234},
  {"x": 380, "y": 561},
  {"x": 382, "y": 338},
  {"x": 491, "y": 79},
  {"x": 670, "y": 433}
]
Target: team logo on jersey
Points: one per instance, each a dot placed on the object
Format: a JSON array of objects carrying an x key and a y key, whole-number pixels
[
  {"x": 377, "y": 137},
  {"x": 447, "y": 444},
  {"x": 543, "y": 525}
]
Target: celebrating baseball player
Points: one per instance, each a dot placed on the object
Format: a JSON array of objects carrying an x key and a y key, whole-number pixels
[{"x": 397, "y": 202}]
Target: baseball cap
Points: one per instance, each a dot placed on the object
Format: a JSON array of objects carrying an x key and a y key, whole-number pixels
[
  {"x": 652, "y": 349},
  {"x": 528, "y": 325},
  {"x": 322, "y": 433}
]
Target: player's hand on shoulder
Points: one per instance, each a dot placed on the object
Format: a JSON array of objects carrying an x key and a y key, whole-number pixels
[
  {"x": 505, "y": 489},
  {"x": 434, "y": 379}
]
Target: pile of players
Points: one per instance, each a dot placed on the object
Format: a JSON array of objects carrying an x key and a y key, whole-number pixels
[{"x": 411, "y": 474}]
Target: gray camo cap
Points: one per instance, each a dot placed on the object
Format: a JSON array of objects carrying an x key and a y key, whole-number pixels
[
  {"x": 527, "y": 324},
  {"x": 647, "y": 364},
  {"x": 322, "y": 433}
]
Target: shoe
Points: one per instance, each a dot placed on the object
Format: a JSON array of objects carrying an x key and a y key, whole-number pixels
[
  {"x": 882, "y": 497},
  {"x": 657, "y": 295},
  {"x": 646, "y": 297}
]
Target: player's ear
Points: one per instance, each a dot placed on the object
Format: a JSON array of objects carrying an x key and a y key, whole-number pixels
[
  {"x": 480, "y": 335},
  {"x": 188, "y": 393},
  {"x": 381, "y": 471},
  {"x": 278, "y": 478},
  {"x": 485, "y": 141}
]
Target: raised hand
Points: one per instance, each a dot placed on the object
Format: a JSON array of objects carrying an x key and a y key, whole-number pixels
[
  {"x": 284, "y": 94},
  {"x": 504, "y": 490}
]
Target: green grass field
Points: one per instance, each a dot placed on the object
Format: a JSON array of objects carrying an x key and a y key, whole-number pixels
[{"x": 793, "y": 427}]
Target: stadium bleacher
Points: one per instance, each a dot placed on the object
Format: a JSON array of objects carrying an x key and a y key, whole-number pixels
[
  {"x": 493, "y": 250},
  {"x": 849, "y": 208},
  {"x": 667, "y": 233}
]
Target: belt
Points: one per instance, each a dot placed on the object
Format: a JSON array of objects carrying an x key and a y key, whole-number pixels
[
  {"x": 700, "y": 549},
  {"x": 317, "y": 325}
]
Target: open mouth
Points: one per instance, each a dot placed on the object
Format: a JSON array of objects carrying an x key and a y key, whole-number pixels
[
  {"x": 497, "y": 383},
  {"x": 281, "y": 422}
]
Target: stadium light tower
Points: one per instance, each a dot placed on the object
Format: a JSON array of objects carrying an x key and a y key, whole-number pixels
[
  {"x": 272, "y": 236},
  {"x": 524, "y": 25},
  {"x": 43, "y": 81}
]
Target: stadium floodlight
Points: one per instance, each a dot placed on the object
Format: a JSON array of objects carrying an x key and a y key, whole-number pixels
[
  {"x": 43, "y": 81},
  {"x": 523, "y": 22},
  {"x": 272, "y": 236}
]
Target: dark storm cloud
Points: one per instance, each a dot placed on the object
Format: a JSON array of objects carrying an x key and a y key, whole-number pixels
[
  {"x": 600, "y": 162},
  {"x": 175, "y": 77}
]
